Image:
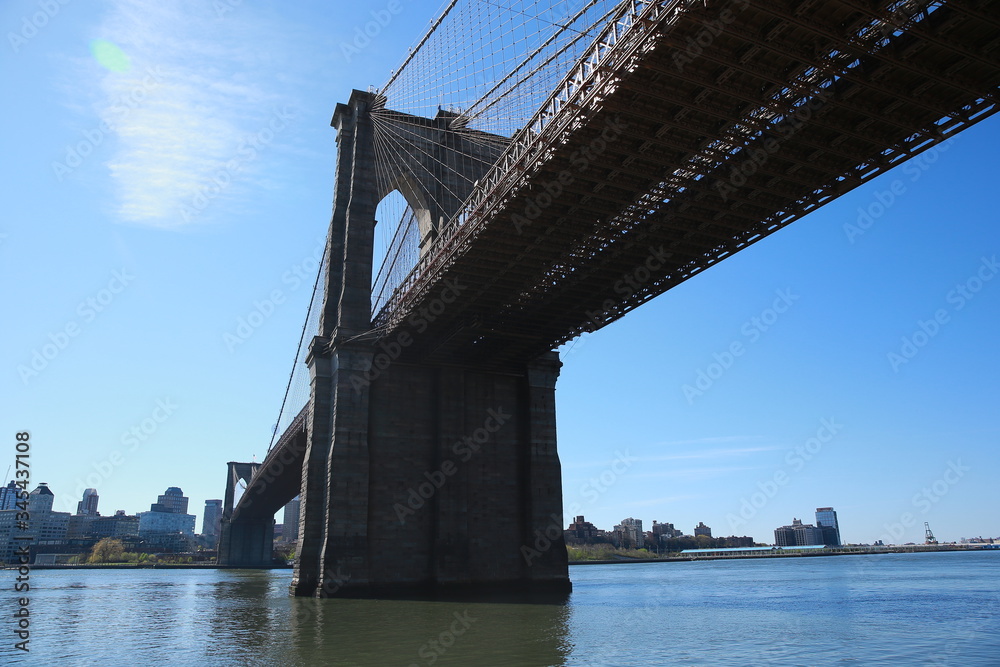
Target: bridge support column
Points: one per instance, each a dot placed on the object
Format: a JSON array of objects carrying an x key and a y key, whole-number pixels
[
  {"x": 452, "y": 481},
  {"x": 247, "y": 543},
  {"x": 244, "y": 541},
  {"x": 313, "y": 497},
  {"x": 544, "y": 483},
  {"x": 345, "y": 549}
]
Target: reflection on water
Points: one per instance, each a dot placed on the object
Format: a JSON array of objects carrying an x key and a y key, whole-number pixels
[
  {"x": 387, "y": 632},
  {"x": 246, "y": 617},
  {"x": 941, "y": 609}
]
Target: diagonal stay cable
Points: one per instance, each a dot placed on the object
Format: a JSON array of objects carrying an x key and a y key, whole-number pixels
[{"x": 298, "y": 350}]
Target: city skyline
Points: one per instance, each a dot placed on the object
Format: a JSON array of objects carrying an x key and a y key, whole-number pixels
[
  {"x": 213, "y": 508},
  {"x": 864, "y": 380}
]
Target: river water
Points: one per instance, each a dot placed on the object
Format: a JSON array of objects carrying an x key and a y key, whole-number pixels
[{"x": 894, "y": 609}]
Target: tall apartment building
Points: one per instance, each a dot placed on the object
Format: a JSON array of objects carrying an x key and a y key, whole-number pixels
[
  {"x": 167, "y": 515},
  {"x": 42, "y": 525},
  {"x": 628, "y": 534},
  {"x": 666, "y": 530},
  {"x": 211, "y": 522},
  {"x": 290, "y": 521},
  {"x": 826, "y": 519},
  {"x": 174, "y": 500},
  {"x": 88, "y": 505},
  {"x": 798, "y": 534},
  {"x": 8, "y": 496}
]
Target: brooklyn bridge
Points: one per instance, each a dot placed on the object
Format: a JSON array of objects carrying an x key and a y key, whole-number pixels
[{"x": 534, "y": 178}]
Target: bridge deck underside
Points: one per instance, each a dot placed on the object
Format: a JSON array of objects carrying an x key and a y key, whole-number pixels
[
  {"x": 675, "y": 123},
  {"x": 279, "y": 478}
]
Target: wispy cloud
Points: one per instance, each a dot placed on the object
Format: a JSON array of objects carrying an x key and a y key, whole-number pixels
[
  {"x": 197, "y": 87},
  {"x": 713, "y": 440},
  {"x": 699, "y": 449},
  {"x": 732, "y": 452},
  {"x": 694, "y": 474},
  {"x": 657, "y": 501}
]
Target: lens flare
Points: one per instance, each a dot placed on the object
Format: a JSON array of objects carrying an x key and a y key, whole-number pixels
[{"x": 109, "y": 55}]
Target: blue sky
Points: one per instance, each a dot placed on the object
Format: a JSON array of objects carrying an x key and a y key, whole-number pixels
[{"x": 159, "y": 192}]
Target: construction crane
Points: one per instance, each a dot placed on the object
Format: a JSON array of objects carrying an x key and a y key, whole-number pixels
[{"x": 928, "y": 535}]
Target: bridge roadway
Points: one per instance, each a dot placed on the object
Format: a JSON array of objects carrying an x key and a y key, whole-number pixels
[
  {"x": 701, "y": 142},
  {"x": 279, "y": 478}
]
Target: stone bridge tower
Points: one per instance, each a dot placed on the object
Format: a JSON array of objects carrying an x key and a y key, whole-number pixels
[
  {"x": 424, "y": 476},
  {"x": 247, "y": 543}
]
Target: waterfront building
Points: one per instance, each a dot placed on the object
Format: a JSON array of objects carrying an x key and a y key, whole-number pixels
[
  {"x": 784, "y": 536},
  {"x": 664, "y": 530},
  {"x": 53, "y": 527},
  {"x": 43, "y": 525},
  {"x": 118, "y": 526},
  {"x": 628, "y": 534},
  {"x": 168, "y": 515},
  {"x": 40, "y": 500},
  {"x": 211, "y": 522},
  {"x": 8, "y": 496},
  {"x": 170, "y": 542},
  {"x": 734, "y": 542},
  {"x": 582, "y": 531},
  {"x": 80, "y": 526},
  {"x": 798, "y": 534},
  {"x": 7, "y": 532},
  {"x": 154, "y": 522},
  {"x": 174, "y": 500},
  {"x": 88, "y": 505},
  {"x": 290, "y": 519},
  {"x": 826, "y": 519},
  {"x": 702, "y": 529}
]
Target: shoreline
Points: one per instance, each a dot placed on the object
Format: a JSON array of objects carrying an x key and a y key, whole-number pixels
[
  {"x": 777, "y": 553},
  {"x": 848, "y": 551},
  {"x": 143, "y": 566}
]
